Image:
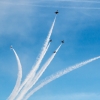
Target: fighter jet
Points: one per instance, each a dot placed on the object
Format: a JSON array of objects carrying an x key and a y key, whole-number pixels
[
  {"x": 56, "y": 12},
  {"x": 62, "y": 41},
  {"x": 50, "y": 41},
  {"x": 11, "y": 47},
  {"x": 54, "y": 52}
]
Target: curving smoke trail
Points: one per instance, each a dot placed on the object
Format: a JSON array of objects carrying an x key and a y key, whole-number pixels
[
  {"x": 59, "y": 74},
  {"x": 18, "y": 82},
  {"x": 31, "y": 80},
  {"x": 35, "y": 68},
  {"x": 38, "y": 75}
]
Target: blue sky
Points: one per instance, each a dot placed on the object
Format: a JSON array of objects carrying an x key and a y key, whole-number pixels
[{"x": 25, "y": 25}]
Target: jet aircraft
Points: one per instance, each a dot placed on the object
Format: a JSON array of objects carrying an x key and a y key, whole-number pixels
[
  {"x": 50, "y": 41},
  {"x": 62, "y": 41},
  {"x": 11, "y": 47},
  {"x": 56, "y": 12},
  {"x": 54, "y": 52}
]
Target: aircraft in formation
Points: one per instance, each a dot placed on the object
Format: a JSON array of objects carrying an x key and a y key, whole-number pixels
[
  {"x": 11, "y": 47},
  {"x": 50, "y": 41},
  {"x": 56, "y": 12},
  {"x": 61, "y": 42},
  {"x": 54, "y": 52}
]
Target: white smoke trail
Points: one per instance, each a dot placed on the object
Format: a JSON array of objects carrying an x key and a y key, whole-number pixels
[
  {"x": 46, "y": 48},
  {"x": 18, "y": 82},
  {"x": 59, "y": 74},
  {"x": 38, "y": 75},
  {"x": 33, "y": 78},
  {"x": 35, "y": 68}
]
